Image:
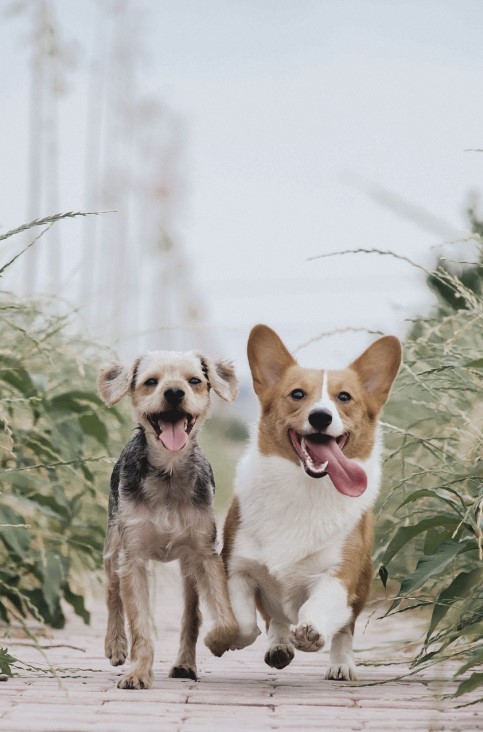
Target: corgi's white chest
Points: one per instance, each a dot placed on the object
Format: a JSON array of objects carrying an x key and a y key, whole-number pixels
[{"x": 286, "y": 516}]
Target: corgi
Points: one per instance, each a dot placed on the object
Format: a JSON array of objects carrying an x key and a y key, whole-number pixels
[{"x": 299, "y": 532}]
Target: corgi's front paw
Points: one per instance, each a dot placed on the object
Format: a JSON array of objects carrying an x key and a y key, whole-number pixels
[
  {"x": 342, "y": 672},
  {"x": 245, "y": 637},
  {"x": 306, "y": 637}
]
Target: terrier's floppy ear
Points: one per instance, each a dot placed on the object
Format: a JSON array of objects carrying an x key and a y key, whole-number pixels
[
  {"x": 268, "y": 358},
  {"x": 114, "y": 381},
  {"x": 377, "y": 367},
  {"x": 221, "y": 376}
]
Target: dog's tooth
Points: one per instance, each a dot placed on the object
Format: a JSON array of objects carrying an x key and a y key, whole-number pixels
[
  {"x": 324, "y": 466},
  {"x": 303, "y": 445}
]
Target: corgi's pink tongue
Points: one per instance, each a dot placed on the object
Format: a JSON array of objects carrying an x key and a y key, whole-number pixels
[
  {"x": 348, "y": 477},
  {"x": 173, "y": 435}
]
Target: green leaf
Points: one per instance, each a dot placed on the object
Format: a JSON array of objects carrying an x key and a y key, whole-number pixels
[
  {"x": 476, "y": 659},
  {"x": 429, "y": 493},
  {"x": 77, "y": 602},
  {"x": 15, "y": 539},
  {"x": 41, "y": 446},
  {"x": 86, "y": 396},
  {"x": 53, "y": 579},
  {"x": 475, "y": 680},
  {"x": 434, "y": 537},
  {"x": 66, "y": 404},
  {"x": 13, "y": 372},
  {"x": 460, "y": 588},
  {"x": 475, "y": 364},
  {"x": 383, "y": 574},
  {"x": 95, "y": 427},
  {"x": 50, "y": 502},
  {"x": 472, "y": 628},
  {"x": 406, "y": 533},
  {"x": 428, "y": 566},
  {"x": 6, "y": 661},
  {"x": 54, "y": 617}
]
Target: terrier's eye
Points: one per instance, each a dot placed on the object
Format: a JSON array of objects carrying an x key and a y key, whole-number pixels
[
  {"x": 344, "y": 396},
  {"x": 150, "y": 382},
  {"x": 297, "y": 394},
  {"x": 194, "y": 380}
]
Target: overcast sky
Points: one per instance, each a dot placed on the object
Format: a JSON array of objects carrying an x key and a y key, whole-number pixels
[{"x": 292, "y": 113}]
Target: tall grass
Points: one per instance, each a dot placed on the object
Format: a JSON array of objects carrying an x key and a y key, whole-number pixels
[
  {"x": 56, "y": 437},
  {"x": 430, "y": 530},
  {"x": 429, "y": 541}
]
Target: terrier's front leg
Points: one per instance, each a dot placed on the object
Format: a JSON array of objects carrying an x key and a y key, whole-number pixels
[
  {"x": 185, "y": 666},
  {"x": 324, "y": 613},
  {"x": 115, "y": 644},
  {"x": 241, "y": 590},
  {"x": 212, "y": 582},
  {"x": 135, "y": 595}
]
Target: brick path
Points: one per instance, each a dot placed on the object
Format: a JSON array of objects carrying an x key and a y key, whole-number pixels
[{"x": 236, "y": 692}]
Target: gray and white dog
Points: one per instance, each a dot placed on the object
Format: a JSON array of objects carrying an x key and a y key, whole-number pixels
[{"x": 161, "y": 507}]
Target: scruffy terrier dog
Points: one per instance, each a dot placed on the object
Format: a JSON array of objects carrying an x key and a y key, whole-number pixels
[{"x": 161, "y": 507}]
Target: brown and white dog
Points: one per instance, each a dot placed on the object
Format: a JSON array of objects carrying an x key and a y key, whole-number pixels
[{"x": 298, "y": 535}]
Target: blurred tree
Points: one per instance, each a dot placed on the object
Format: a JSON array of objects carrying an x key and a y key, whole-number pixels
[
  {"x": 131, "y": 277},
  {"x": 51, "y": 60}
]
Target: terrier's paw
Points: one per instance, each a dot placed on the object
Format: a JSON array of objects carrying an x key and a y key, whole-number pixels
[
  {"x": 245, "y": 638},
  {"x": 220, "y": 639},
  {"x": 116, "y": 650},
  {"x": 342, "y": 672},
  {"x": 306, "y": 637},
  {"x": 279, "y": 656},
  {"x": 184, "y": 671},
  {"x": 136, "y": 680}
]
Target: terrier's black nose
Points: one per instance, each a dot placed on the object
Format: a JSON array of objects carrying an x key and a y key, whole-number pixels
[
  {"x": 320, "y": 418},
  {"x": 174, "y": 396}
]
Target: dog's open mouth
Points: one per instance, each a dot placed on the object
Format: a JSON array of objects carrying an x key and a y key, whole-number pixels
[
  {"x": 172, "y": 428},
  {"x": 322, "y": 455}
]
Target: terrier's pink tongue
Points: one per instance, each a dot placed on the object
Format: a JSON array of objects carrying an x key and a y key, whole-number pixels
[
  {"x": 346, "y": 475},
  {"x": 173, "y": 435}
]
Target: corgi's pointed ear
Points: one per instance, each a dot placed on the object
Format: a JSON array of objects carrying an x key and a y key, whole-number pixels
[
  {"x": 115, "y": 380},
  {"x": 377, "y": 367},
  {"x": 268, "y": 358},
  {"x": 221, "y": 376}
]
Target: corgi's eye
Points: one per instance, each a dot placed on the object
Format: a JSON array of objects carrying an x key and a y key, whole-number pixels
[
  {"x": 150, "y": 382},
  {"x": 194, "y": 381},
  {"x": 297, "y": 394},
  {"x": 344, "y": 396}
]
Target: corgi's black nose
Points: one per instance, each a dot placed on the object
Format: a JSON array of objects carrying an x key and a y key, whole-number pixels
[
  {"x": 174, "y": 396},
  {"x": 320, "y": 418}
]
